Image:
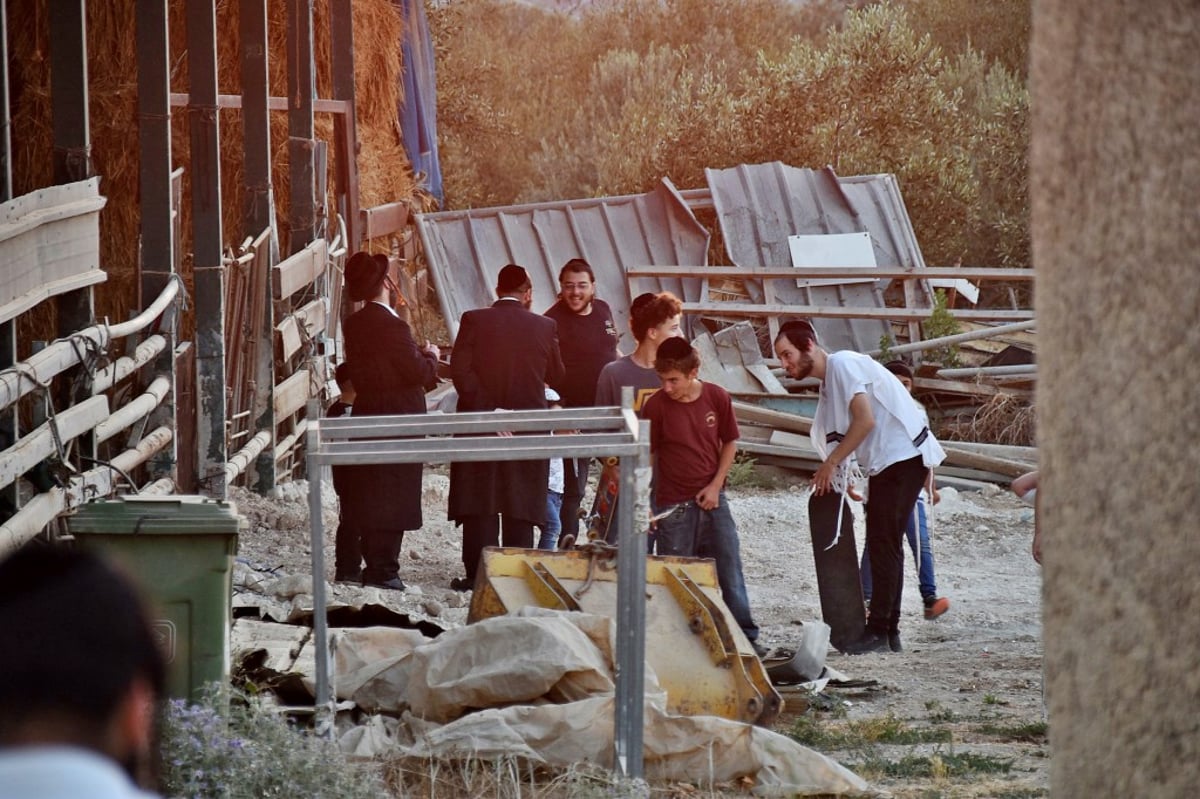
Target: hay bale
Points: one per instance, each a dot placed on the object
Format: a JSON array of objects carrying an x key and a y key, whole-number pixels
[{"x": 385, "y": 174}]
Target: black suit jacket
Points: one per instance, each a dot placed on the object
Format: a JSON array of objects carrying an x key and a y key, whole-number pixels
[
  {"x": 390, "y": 375},
  {"x": 503, "y": 357}
]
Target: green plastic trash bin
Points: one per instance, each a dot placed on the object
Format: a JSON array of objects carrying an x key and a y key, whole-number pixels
[{"x": 180, "y": 549}]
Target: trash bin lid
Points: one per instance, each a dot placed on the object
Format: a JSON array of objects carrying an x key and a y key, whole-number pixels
[{"x": 158, "y": 514}]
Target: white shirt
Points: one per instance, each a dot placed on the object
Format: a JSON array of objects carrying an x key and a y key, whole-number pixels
[
  {"x": 899, "y": 420},
  {"x": 63, "y": 772},
  {"x": 557, "y": 476}
]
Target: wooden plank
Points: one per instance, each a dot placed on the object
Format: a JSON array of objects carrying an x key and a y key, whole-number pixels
[
  {"x": 306, "y": 323},
  {"x": 299, "y": 270},
  {"x": 284, "y": 447},
  {"x": 779, "y": 420},
  {"x": 741, "y": 310},
  {"x": 384, "y": 220},
  {"x": 49, "y": 245},
  {"x": 291, "y": 394},
  {"x": 273, "y": 103},
  {"x": 45, "y": 291},
  {"x": 832, "y": 273},
  {"x": 973, "y": 389},
  {"x": 954, "y": 456}
]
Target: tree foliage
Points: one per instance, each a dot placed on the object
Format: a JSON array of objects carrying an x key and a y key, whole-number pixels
[{"x": 536, "y": 106}]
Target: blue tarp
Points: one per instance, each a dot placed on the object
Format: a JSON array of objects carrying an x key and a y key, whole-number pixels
[{"x": 418, "y": 110}]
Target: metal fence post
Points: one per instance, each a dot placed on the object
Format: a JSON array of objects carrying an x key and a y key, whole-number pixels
[
  {"x": 629, "y": 707},
  {"x": 312, "y": 455}
]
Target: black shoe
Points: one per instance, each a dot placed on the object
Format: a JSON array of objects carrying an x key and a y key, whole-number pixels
[
  {"x": 461, "y": 584},
  {"x": 869, "y": 642},
  {"x": 348, "y": 577},
  {"x": 392, "y": 583},
  {"x": 759, "y": 649},
  {"x": 894, "y": 641}
]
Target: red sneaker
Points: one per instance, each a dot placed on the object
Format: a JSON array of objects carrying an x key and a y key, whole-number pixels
[{"x": 936, "y": 607}]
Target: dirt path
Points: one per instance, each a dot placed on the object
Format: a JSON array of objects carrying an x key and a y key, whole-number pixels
[{"x": 958, "y": 714}]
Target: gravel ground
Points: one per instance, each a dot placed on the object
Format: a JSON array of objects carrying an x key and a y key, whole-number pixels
[{"x": 971, "y": 678}]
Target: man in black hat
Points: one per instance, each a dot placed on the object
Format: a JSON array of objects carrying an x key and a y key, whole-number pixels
[
  {"x": 391, "y": 374},
  {"x": 503, "y": 358}
]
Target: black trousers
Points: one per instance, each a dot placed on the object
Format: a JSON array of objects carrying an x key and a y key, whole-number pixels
[
  {"x": 891, "y": 495},
  {"x": 484, "y": 531},
  {"x": 381, "y": 551},
  {"x": 575, "y": 480},
  {"x": 347, "y": 550}
]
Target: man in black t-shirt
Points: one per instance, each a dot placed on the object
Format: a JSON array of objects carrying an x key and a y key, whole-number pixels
[{"x": 588, "y": 339}]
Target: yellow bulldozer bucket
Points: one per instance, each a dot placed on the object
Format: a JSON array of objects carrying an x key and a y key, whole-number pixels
[{"x": 701, "y": 657}]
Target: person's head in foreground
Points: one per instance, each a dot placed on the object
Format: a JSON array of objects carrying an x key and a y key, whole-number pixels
[{"x": 79, "y": 666}]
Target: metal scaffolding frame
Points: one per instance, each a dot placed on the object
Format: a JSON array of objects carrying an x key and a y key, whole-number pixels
[{"x": 437, "y": 438}]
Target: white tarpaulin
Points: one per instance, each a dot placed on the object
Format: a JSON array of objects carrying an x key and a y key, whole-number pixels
[{"x": 544, "y": 680}]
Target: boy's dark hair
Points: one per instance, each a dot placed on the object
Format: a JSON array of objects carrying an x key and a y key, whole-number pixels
[
  {"x": 676, "y": 354},
  {"x": 577, "y": 265},
  {"x": 799, "y": 332},
  {"x": 899, "y": 369},
  {"x": 652, "y": 312},
  {"x": 74, "y": 636}
]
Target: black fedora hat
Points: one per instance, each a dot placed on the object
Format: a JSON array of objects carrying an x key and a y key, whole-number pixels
[{"x": 364, "y": 274}]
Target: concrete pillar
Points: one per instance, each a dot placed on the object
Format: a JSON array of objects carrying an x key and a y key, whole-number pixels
[{"x": 1115, "y": 171}]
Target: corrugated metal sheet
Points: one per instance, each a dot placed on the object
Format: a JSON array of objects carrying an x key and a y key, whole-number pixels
[
  {"x": 466, "y": 249},
  {"x": 760, "y": 205}
]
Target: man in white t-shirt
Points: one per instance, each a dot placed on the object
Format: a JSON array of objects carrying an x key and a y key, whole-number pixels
[{"x": 865, "y": 412}]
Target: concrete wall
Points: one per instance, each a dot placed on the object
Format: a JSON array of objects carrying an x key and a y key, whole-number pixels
[{"x": 1116, "y": 242}]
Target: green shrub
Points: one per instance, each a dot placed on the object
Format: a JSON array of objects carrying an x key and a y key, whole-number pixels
[
  {"x": 941, "y": 322},
  {"x": 537, "y": 106}
]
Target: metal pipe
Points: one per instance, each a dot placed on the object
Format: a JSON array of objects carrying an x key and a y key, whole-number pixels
[
  {"x": 136, "y": 409},
  {"x": 39, "y": 368},
  {"x": 990, "y": 332},
  {"x": 246, "y": 455},
  {"x": 124, "y": 366},
  {"x": 1024, "y": 369}
]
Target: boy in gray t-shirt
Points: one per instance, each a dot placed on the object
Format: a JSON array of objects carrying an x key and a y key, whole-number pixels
[{"x": 653, "y": 318}]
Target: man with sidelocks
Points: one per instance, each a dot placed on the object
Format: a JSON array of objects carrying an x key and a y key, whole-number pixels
[
  {"x": 864, "y": 411},
  {"x": 588, "y": 339}
]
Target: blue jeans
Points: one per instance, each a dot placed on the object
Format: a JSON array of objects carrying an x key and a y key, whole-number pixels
[
  {"x": 917, "y": 531},
  {"x": 548, "y": 537},
  {"x": 694, "y": 533}
]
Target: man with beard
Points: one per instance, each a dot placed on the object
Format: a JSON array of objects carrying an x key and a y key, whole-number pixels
[
  {"x": 864, "y": 413},
  {"x": 503, "y": 358},
  {"x": 80, "y": 678},
  {"x": 588, "y": 337}
]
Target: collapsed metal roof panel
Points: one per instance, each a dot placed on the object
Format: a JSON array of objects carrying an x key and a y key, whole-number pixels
[
  {"x": 759, "y": 206},
  {"x": 466, "y": 249}
]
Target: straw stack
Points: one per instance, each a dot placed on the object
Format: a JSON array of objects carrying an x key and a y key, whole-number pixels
[{"x": 385, "y": 173}]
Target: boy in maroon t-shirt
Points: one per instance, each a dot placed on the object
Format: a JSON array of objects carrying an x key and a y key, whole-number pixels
[{"x": 693, "y": 440}]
